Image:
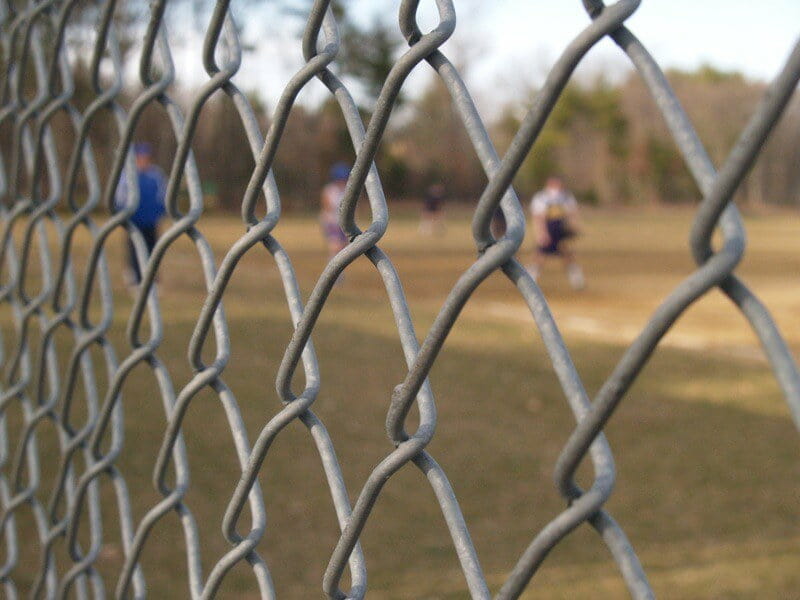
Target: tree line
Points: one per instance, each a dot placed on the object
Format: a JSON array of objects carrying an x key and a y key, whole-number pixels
[{"x": 606, "y": 139}]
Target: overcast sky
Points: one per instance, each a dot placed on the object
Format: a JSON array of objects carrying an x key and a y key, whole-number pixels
[{"x": 510, "y": 44}]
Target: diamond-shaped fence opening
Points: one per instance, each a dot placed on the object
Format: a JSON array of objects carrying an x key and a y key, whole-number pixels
[{"x": 74, "y": 346}]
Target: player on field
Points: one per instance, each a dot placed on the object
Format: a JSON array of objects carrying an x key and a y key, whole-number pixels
[
  {"x": 332, "y": 195},
  {"x": 555, "y": 220},
  {"x": 150, "y": 209}
]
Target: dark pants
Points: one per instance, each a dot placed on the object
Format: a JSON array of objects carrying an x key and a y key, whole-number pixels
[
  {"x": 150, "y": 234},
  {"x": 558, "y": 231}
]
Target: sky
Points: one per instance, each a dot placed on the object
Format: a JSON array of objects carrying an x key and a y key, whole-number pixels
[
  {"x": 743, "y": 35},
  {"x": 509, "y": 45}
]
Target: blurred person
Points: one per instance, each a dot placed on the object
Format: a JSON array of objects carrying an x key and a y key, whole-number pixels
[
  {"x": 431, "y": 219},
  {"x": 152, "y": 187},
  {"x": 555, "y": 220},
  {"x": 331, "y": 199}
]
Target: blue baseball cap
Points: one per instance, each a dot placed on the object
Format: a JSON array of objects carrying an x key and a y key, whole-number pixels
[
  {"x": 340, "y": 171},
  {"x": 142, "y": 149}
]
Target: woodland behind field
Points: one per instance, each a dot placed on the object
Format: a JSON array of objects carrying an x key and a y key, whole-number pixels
[{"x": 607, "y": 139}]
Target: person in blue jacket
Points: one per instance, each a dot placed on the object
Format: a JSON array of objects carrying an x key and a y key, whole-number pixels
[{"x": 152, "y": 187}]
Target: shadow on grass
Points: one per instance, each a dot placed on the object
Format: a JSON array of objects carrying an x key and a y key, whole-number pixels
[{"x": 699, "y": 483}]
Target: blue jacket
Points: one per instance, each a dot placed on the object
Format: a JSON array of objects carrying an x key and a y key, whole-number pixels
[{"x": 151, "y": 197}]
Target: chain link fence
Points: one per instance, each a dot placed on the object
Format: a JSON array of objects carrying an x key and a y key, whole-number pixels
[{"x": 48, "y": 207}]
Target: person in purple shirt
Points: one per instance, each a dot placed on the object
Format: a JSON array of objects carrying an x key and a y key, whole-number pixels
[{"x": 152, "y": 186}]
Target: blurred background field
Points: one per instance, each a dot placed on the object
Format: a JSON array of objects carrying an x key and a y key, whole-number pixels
[{"x": 707, "y": 455}]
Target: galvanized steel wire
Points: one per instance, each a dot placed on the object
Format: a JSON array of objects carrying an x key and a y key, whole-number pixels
[{"x": 33, "y": 186}]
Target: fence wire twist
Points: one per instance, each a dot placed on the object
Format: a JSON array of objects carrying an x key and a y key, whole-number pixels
[{"x": 38, "y": 84}]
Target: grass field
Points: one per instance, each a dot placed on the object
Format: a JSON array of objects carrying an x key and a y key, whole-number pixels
[{"x": 708, "y": 460}]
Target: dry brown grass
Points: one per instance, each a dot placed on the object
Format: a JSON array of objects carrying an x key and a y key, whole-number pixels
[{"x": 707, "y": 456}]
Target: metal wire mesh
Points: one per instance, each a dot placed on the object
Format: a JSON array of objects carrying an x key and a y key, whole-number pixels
[{"x": 38, "y": 84}]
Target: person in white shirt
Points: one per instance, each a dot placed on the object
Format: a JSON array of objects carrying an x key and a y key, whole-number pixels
[{"x": 555, "y": 220}]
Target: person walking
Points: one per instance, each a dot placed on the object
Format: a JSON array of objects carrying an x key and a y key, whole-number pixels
[
  {"x": 150, "y": 210},
  {"x": 555, "y": 220},
  {"x": 330, "y": 200},
  {"x": 431, "y": 219}
]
